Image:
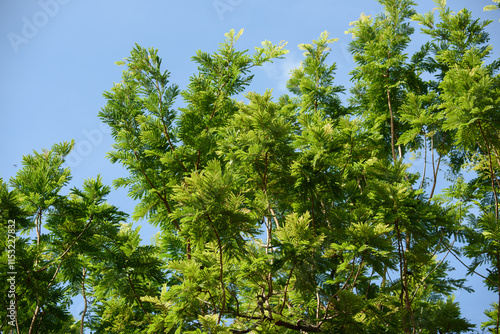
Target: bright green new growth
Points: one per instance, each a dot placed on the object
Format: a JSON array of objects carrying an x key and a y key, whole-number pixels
[
  {"x": 493, "y": 7},
  {"x": 277, "y": 215}
]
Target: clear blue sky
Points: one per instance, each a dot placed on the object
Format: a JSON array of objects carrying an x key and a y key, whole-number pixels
[{"x": 57, "y": 58}]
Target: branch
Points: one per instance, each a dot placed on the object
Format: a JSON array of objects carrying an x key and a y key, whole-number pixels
[
  {"x": 470, "y": 269},
  {"x": 137, "y": 297},
  {"x": 84, "y": 299},
  {"x": 430, "y": 272},
  {"x": 286, "y": 288},
  {"x": 221, "y": 276},
  {"x": 61, "y": 257},
  {"x": 392, "y": 125},
  {"x": 164, "y": 200},
  {"x": 299, "y": 327},
  {"x": 425, "y": 164}
]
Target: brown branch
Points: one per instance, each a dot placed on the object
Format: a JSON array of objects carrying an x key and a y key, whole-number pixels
[
  {"x": 37, "y": 308},
  {"x": 300, "y": 326},
  {"x": 470, "y": 269},
  {"x": 336, "y": 293},
  {"x": 425, "y": 165},
  {"x": 491, "y": 168},
  {"x": 38, "y": 223},
  {"x": 496, "y": 156},
  {"x": 163, "y": 199},
  {"x": 286, "y": 288},
  {"x": 35, "y": 314},
  {"x": 61, "y": 257},
  {"x": 247, "y": 316},
  {"x": 359, "y": 269},
  {"x": 54, "y": 276},
  {"x": 430, "y": 272},
  {"x": 434, "y": 170},
  {"x": 84, "y": 300},
  {"x": 318, "y": 303},
  {"x": 392, "y": 125},
  {"x": 221, "y": 275},
  {"x": 404, "y": 297},
  {"x": 137, "y": 297}
]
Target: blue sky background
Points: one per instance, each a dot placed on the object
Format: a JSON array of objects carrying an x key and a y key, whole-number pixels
[{"x": 57, "y": 58}]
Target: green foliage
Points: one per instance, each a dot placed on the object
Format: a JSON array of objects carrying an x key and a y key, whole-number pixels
[
  {"x": 313, "y": 80},
  {"x": 62, "y": 231},
  {"x": 383, "y": 75},
  {"x": 492, "y": 314},
  {"x": 276, "y": 214},
  {"x": 496, "y": 6},
  {"x": 445, "y": 317}
]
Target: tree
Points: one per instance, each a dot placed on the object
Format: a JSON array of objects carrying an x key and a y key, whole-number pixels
[
  {"x": 276, "y": 214},
  {"x": 60, "y": 227},
  {"x": 468, "y": 109}
]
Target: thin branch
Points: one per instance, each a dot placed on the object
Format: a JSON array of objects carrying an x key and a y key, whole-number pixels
[
  {"x": 84, "y": 300},
  {"x": 286, "y": 288},
  {"x": 61, "y": 257},
  {"x": 221, "y": 275},
  {"x": 425, "y": 165},
  {"x": 433, "y": 270},
  {"x": 164, "y": 200},
  {"x": 299, "y": 327},
  {"x": 435, "y": 170},
  {"x": 491, "y": 168},
  {"x": 137, "y": 297},
  {"x": 35, "y": 314},
  {"x": 392, "y": 125},
  {"x": 165, "y": 130},
  {"x": 469, "y": 268}
]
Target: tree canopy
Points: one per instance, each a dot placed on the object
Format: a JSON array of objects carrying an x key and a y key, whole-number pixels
[{"x": 277, "y": 214}]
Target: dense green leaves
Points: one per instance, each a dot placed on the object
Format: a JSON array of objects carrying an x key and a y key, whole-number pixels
[{"x": 277, "y": 214}]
